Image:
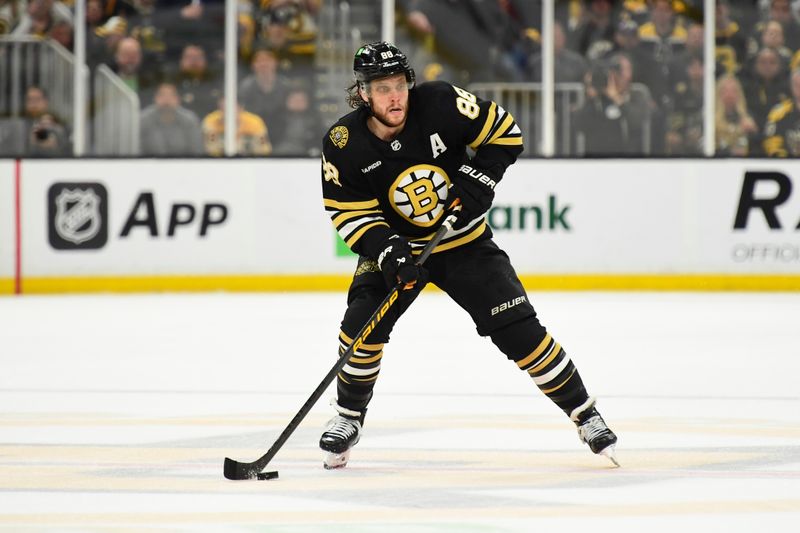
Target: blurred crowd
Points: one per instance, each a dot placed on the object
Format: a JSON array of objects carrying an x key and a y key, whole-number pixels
[
  {"x": 628, "y": 73},
  {"x": 171, "y": 54}
]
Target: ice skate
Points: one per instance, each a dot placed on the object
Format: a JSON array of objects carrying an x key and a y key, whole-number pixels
[
  {"x": 592, "y": 430},
  {"x": 341, "y": 434}
]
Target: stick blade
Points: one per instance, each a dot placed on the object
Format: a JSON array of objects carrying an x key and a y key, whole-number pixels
[{"x": 237, "y": 471}]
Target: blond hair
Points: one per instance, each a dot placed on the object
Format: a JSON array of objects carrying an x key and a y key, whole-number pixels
[{"x": 724, "y": 130}]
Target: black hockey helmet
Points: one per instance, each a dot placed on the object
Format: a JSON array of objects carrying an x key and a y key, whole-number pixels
[{"x": 379, "y": 60}]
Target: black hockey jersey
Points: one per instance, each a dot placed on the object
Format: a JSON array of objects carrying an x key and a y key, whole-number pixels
[
  {"x": 782, "y": 131},
  {"x": 373, "y": 189}
]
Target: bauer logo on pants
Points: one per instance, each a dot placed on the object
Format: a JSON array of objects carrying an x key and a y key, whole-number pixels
[{"x": 77, "y": 215}]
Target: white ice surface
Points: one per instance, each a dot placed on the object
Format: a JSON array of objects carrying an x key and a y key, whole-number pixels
[{"x": 116, "y": 413}]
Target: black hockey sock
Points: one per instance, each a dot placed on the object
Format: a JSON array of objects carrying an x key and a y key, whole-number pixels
[
  {"x": 554, "y": 373},
  {"x": 355, "y": 382}
]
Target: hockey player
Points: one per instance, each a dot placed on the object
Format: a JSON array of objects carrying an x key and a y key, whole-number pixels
[{"x": 389, "y": 170}]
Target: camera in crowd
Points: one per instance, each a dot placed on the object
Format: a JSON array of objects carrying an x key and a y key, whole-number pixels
[
  {"x": 42, "y": 133},
  {"x": 600, "y": 72},
  {"x": 43, "y": 128}
]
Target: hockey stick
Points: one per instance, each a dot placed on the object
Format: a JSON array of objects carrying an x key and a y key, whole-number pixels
[{"x": 238, "y": 471}]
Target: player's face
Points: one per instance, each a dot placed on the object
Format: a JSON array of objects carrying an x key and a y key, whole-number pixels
[{"x": 389, "y": 100}]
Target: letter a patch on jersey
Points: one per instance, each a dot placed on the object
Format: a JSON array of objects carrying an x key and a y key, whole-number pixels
[{"x": 437, "y": 145}]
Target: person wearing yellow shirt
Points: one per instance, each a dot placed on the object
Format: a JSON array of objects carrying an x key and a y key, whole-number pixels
[{"x": 252, "y": 136}]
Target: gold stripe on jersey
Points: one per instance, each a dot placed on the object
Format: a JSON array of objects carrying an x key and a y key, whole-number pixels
[
  {"x": 487, "y": 126},
  {"x": 343, "y": 217},
  {"x": 509, "y": 141},
  {"x": 499, "y": 128},
  {"x": 349, "y": 206},
  {"x": 418, "y": 244},
  {"x": 507, "y": 122},
  {"x": 353, "y": 219},
  {"x": 351, "y": 240}
]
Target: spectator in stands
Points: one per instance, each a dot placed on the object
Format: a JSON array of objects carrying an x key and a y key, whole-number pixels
[
  {"x": 678, "y": 67},
  {"x": 288, "y": 29},
  {"x": 61, "y": 32},
  {"x": 197, "y": 21},
  {"x": 612, "y": 119},
  {"x": 771, "y": 36},
  {"x": 685, "y": 121},
  {"x": 782, "y": 132},
  {"x": 264, "y": 92},
  {"x": 41, "y": 16},
  {"x": 102, "y": 34},
  {"x": 304, "y": 125},
  {"x": 695, "y": 39},
  {"x": 252, "y": 136},
  {"x": 731, "y": 43},
  {"x": 199, "y": 86},
  {"x": 128, "y": 66},
  {"x": 663, "y": 39},
  {"x": 735, "y": 128},
  {"x": 46, "y": 135},
  {"x": 146, "y": 25},
  {"x": 479, "y": 37},
  {"x": 663, "y": 35},
  {"x": 169, "y": 129},
  {"x": 163, "y": 27},
  {"x": 569, "y": 66},
  {"x": 11, "y": 12},
  {"x": 636, "y": 105},
  {"x": 594, "y": 36},
  {"x": 780, "y": 11},
  {"x": 626, "y": 40},
  {"x": 764, "y": 87}
]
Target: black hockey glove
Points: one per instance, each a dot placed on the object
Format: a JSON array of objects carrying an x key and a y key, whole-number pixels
[
  {"x": 397, "y": 264},
  {"x": 475, "y": 189}
]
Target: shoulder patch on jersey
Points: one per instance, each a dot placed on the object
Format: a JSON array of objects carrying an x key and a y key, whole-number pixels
[{"x": 339, "y": 136}]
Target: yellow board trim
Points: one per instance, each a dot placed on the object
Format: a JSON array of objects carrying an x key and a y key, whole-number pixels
[
  {"x": 312, "y": 282},
  {"x": 6, "y": 286}
]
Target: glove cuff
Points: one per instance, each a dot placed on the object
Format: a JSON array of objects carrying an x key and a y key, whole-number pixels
[{"x": 478, "y": 176}]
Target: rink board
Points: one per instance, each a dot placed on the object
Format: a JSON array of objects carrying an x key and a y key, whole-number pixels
[
  {"x": 131, "y": 225},
  {"x": 7, "y": 227}
]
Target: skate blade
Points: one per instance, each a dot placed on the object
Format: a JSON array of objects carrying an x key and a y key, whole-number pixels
[
  {"x": 610, "y": 452},
  {"x": 336, "y": 460}
]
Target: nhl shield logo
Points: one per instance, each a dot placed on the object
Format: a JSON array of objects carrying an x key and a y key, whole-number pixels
[{"x": 78, "y": 213}]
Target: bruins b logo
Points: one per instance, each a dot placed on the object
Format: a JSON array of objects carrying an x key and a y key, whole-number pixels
[
  {"x": 339, "y": 136},
  {"x": 419, "y": 194}
]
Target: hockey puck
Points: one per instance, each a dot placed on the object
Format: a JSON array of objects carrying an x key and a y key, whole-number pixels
[{"x": 268, "y": 475}]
